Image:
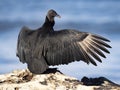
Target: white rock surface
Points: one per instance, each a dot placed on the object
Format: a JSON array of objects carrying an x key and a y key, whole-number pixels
[{"x": 24, "y": 80}]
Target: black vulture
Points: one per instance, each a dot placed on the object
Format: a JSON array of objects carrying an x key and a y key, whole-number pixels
[{"x": 44, "y": 47}]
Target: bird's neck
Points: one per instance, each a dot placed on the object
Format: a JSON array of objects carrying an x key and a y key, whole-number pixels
[{"x": 48, "y": 25}]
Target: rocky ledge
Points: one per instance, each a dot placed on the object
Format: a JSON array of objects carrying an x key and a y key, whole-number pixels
[{"x": 52, "y": 79}]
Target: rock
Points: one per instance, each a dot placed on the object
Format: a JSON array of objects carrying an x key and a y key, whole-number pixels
[
  {"x": 103, "y": 82},
  {"x": 52, "y": 79}
]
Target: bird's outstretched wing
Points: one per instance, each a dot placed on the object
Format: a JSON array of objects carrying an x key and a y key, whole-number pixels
[
  {"x": 23, "y": 46},
  {"x": 65, "y": 46},
  {"x": 26, "y": 44}
]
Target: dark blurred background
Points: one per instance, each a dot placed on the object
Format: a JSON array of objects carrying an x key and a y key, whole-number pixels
[{"x": 95, "y": 16}]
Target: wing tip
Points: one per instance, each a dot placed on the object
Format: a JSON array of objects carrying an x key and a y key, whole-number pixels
[
  {"x": 94, "y": 64},
  {"x": 100, "y": 37}
]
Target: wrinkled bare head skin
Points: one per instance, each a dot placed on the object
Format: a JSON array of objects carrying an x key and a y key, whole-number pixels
[{"x": 51, "y": 14}]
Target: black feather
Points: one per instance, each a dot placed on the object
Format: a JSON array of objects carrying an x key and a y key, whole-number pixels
[
  {"x": 102, "y": 43},
  {"x": 96, "y": 50},
  {"x": 100, "y": 47},
  {"x": 100, "y": 37}
]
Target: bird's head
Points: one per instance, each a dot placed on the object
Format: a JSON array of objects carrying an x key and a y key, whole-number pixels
[{"x": 52, "y": 14}]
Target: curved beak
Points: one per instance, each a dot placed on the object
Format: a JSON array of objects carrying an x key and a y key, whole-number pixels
[{"x": 58, "y": 16}]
